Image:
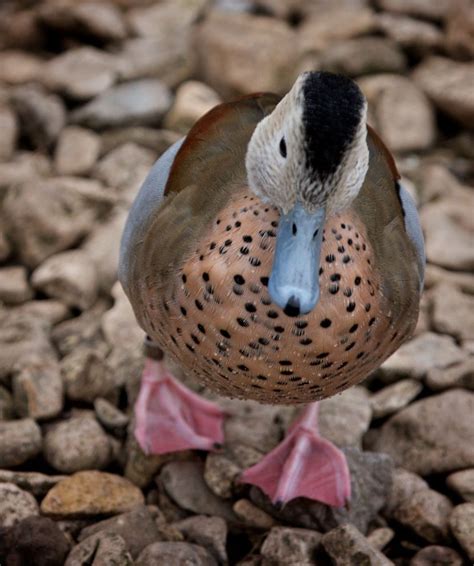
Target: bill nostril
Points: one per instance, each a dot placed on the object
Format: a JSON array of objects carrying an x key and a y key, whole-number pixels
[{"x": 292, "y": 307}]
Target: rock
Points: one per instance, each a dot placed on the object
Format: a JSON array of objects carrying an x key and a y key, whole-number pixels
[
  {"x": 156, "y": 140},
  {"x": 156, "y": 57},
  {"x": 69, "y": 276},
  {"x": 140, "y": 468},
  {"x": 100, "y": 550},
  {"x": 15, "y": 505},
  {"x": 421, "y": 37},
  {"x": 42, "y": 116},
  {"x": 119, "y": 324},
  {"x": 110, "y": 417},
  {"x": 87, "y": 375},
  {"x": 462, "y": 483},
  {"x": 448, "y": 84},
  {"x": 34, "y": 540},
  {"x": 422, "y": 354},
  {"x": 404, "y": 485},
  {"x": 20, "y": 440},
  {"x": 252, "y": 424},
  {"x": 423, "y": 8},
  {"x": 436, "y": 275},
  {"x": 164, "y": 48},
  {"x": 184, "y": 483},
  {"x": 403, "y": 115},
  {"x": 9, "y": 129},
  {"x": 137, "y": 527},
  {"x": 174, "y": 554},
  {"x": 18, "y": 67},
  {"x": 379, "y": 538},
  {"x": 449, "y": 221},
  {"x": 459, "y": 26},
  {"x": 363, "y": 56},
  {"x": 23, "y": 166},
  {"x": 345, "y": 418},
  {"x": 426, "y": 512},
  {"x": 431, "y": 555},
  {"x": 165, "y": 20},
  {"x": 437, "y": 182},
  {"x": 371, "y": 477},
  {"x": 336, "y": 22},
  {"x": 346, "y": 545},
  {"x": 193, "y": 99},
  {"x": 52, "y": 215},
  {"x": 102, "y": 247},
  {"x": 285, "y": 545},
  {"x": 91, "y": 493},
  {"x": 453, "y": 312},
  {"x": 14, "y": 286},
  {"x": 208, "y": 532},
  {"x": 221, "y": 473},
  {"x": 77, "y": 151},
  {"x": 141, "y": 102},
  {"x": 6, "y": 405},
  {"x": 81, "y": 332},
  {"x": 125, "y": 168},
  {"x": 5, "y": 246},
  {"x": 461, "y": 523},
  {"x": 252, "y": 516},
  {"x": 395, "y": 397},
  {"x": 20, "y": 29},
  {"x": 38, "y": 389},
  {"x": 99, "y": 20},
  {"x": 431, "y": 435},
  {"x": 232, "y": 66},
  {"x": 23, "y": 338},
  {"x": 34, "y": 482},
  {"x": 77, "y": 444},
  {"x": 81, "y": 73}
]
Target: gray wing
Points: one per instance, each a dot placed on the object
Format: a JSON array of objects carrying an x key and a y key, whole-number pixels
[
  {"x": 147, "y": 201},
  {"x": 413, "y": 228}
]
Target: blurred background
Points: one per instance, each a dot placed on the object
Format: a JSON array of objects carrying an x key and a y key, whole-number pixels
[{"x": 91, "y": 93}]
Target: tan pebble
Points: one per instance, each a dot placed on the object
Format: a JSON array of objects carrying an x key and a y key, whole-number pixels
[
  {"x": 91, "y": 493},
  {"x": 252, "y": 515}
]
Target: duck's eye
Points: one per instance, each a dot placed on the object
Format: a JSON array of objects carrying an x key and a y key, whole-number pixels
[{"x": 283, "y": 147}]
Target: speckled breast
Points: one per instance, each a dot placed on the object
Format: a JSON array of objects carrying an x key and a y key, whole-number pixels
[{"x": 219, "y": 323}]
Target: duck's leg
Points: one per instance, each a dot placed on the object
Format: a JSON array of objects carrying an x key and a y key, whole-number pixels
[
  {"x": 169, "y": 417},
  {"x": 303, "y": 465}
]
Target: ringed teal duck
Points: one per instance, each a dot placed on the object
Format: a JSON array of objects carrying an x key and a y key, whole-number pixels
[{"x": 274, "y": 254}]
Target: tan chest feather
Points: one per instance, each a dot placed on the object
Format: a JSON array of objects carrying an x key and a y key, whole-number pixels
[{"x": 218, "y": 322}]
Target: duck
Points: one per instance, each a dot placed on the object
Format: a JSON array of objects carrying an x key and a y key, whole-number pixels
[{"x": 275, "y": 255}]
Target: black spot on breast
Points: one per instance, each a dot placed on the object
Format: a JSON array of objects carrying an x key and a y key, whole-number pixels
[{"x": 250, "y": 307}]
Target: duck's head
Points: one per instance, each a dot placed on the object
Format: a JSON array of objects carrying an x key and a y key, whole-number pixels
[{"x": 309, "y": 158}]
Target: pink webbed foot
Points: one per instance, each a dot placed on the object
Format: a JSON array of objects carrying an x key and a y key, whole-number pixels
[
  {"x": 170, "y": 417},
  {"x": 303, "y": 465}
]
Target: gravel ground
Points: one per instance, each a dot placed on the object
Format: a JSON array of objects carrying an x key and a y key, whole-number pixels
[{"x": 91, "y": 93}]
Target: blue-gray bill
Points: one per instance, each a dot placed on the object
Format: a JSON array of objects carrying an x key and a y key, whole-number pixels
[{"x": 294, "y": 280}]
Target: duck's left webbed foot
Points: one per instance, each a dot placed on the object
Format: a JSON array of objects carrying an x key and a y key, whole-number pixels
[
  {"x": 303, "y": 465},
  {"x": 170, "y": 417}
]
